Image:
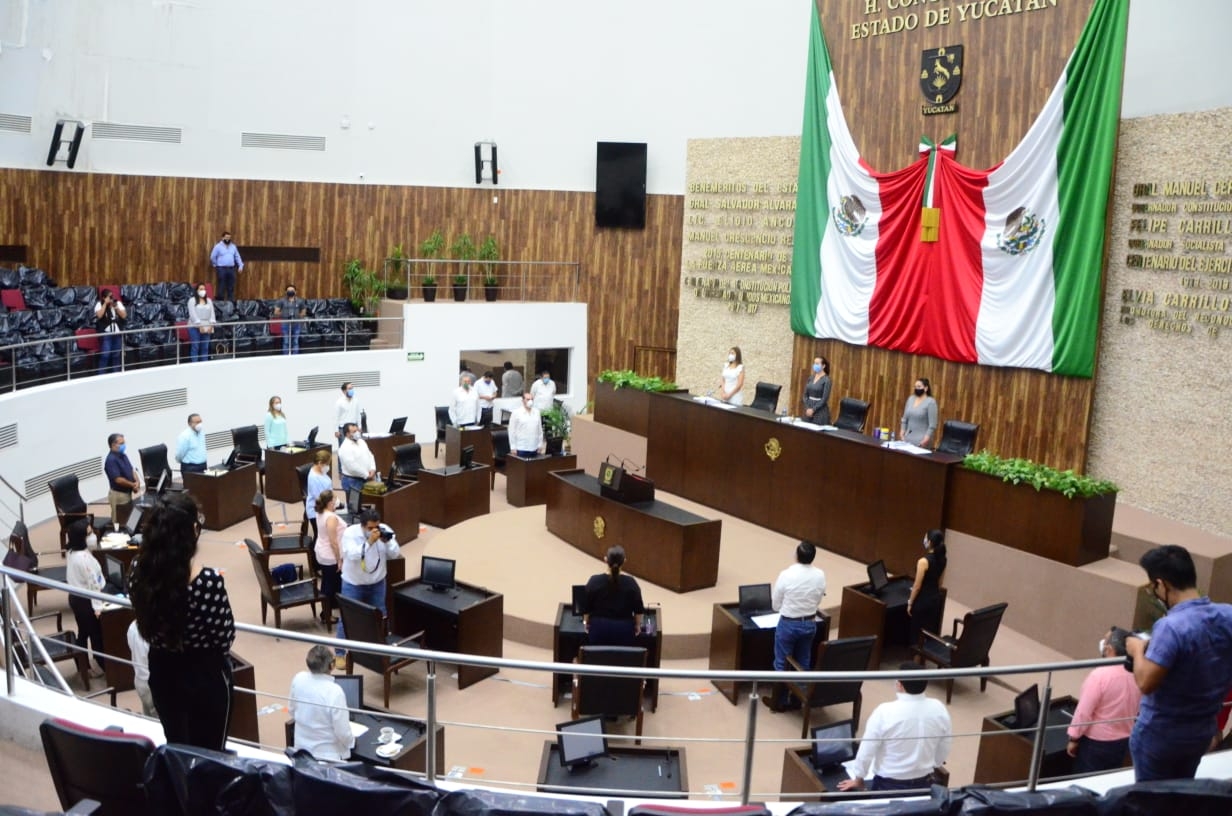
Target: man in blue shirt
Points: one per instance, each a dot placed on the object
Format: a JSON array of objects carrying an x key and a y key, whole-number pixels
[
  {"x": 1184, "y": 670},
  {"x": 190, "y": 446},
  {"x": 122, "y": 480},
  {"x": 226, "y": 260}
]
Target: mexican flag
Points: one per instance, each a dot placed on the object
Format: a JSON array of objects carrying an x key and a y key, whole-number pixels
[{"x": 997, "y": 267}]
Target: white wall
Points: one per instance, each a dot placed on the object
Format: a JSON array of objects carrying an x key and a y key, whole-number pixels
[{"x": 545, "y": 79}]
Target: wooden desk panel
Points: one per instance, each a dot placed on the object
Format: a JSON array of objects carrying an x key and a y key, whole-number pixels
[
  {"x": 225, "y": 499},
  {"x": 115, "y": 621},
  {"x": 663, "y": 544},
  {"x": 467, "y": 620},
  {"x": 569, "y": 635},
  {"x": 281, "y": 480},
  {"x": 448, "y": 495},
  {"x": 399, "y": 508},
  {"x": 738, "y": 647},
  {"x": 526, "y": 480},
  {"x": 458, "y": 438},
  {"x": 414, "y": 754},
  {"x": 382, "y": 447},
  {"x": 632, "y": 769},
  {"x": 1006, "y": 757}
]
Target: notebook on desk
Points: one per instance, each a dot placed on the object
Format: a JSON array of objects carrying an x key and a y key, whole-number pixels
[
  {"x": 833, "y": 745},
  {"x": 755, "y": 600}
]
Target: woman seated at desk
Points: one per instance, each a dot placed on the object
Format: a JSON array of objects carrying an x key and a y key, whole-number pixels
[{"x": 613, "y": 614}]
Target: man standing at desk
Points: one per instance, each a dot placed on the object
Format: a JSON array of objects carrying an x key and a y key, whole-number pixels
[
  {"x": 355, "y": 460},
  {"x": 1107, "y": 706},
  {"x": 346, "y": 409},
  {"x": 511, "y": 381},
  {"x": 190, "y": 446},
  {"x": 366, "y": 547},
  {"x": 318, "y": 706},
  {"x": 544, "y": 391},
  {"x": 464, "y": 407},
  {"x": 903, "y": 742},
  {"x": 487, "y": 390},
  {"x": 122, "y": 481},
  {"x": 526, "y": 429},
  {"x": 796, "y": 595}
]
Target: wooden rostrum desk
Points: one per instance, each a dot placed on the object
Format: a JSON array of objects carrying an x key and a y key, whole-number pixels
[
  {"x": 738, "y": 644},
  {"x": 224, "y": 496},
  {"x": 450, "y": 495},
  {"x": 526, "y": 479},
  {"x": 569, "y": 636},
  {"x": 467, "y": 620},
  {"x": 281, "y": 480}
]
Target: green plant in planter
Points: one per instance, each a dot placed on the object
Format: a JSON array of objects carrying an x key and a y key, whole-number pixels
[
  {"x": 462, "y": 249},
  {"x": 430, "y": 249},
  {"x": 556, "y": 422},
  {"x": 631, "y": 379},
  {"x": 398, "y": 285},
  {"x": 488, "y": 252},
  {"x": 1041, "y": 477},
  {"x": 364, "y": 286}
]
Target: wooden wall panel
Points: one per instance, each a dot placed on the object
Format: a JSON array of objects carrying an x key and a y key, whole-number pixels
[{"x": 98, "y": 228}]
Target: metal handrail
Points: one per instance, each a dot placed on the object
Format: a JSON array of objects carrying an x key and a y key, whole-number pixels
[
  {"x": 521, "y": 285},
  {"x": 431, "y": 658}
]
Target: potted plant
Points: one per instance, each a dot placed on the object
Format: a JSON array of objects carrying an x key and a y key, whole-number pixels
[
  {"x": 623, "y": 399},
  {"x": 556, "y": 427},
  {"x": 462, "y": 249},
  {"x": 488, "y": 252},
  {"x": 397, "y": 282},
  {"x": 430, "y": 250},
  {"x": 364, "y": 287}
]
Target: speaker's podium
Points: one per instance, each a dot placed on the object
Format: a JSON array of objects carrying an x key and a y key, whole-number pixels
[{"x": 618, "y": 484}]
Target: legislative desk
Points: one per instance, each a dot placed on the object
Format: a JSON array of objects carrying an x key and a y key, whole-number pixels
[
  {"x": 738, "y": 644},
  {"x": 665, "y": 545},
  {"x": 458, "y": 438},
  {"x": 838, "y": 488},
  {"x": 884, "y": 615},
  {"x": 660, "y": 772},
  {"x": 467, "y": 619},
  {"x": 526, "y": 479},
  {"x": 399, "y": 508},
  {"x": 450, "y": 495},
  {"x": 1006, "y": 757},
  {"x": 569, "y": 636},
  {"x": 281, "y": 480},
  {"x": 223, "y": 496},
  {"x": 801, "y": 782},
  {"x": 382, "y": 447},
  {"x": 413, "y": 755}
]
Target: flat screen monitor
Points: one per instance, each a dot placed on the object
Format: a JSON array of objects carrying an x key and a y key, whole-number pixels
[
  {"x": 438, "y": 573},
  {"x": 353, "y": 687},
  {"x": 115, "y": 573},
  {"x": 877, "y": 576},
  {"x": 579, "y": 599},
  {"x": 164, "y": 481},
  {"x": 1027, "y": 707},
  {"x": 398, "y": 425},
  {"x": 134, "y": 520},
  {"x": 620, "y": 184},
  {"x": 834, "y": 743},
  {"x": 353, "y": 502},
  {"x": 468, "y": 457},
  {"x": 581, "y": 741},
  {"x": 312, "y": 436},
  {"x": 755, "y": 599}
]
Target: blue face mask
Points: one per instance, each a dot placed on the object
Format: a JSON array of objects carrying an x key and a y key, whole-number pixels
[
  {"x": 350, "y": 392},
  {"x": 123, "y": 447},
  {"x": 816, "y": 368}
]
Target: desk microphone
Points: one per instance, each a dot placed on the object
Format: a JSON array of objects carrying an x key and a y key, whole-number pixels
[{"x": 667, "y": 760}]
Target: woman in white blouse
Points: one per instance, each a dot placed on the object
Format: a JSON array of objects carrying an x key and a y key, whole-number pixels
[{"x": 731, "y": 384}]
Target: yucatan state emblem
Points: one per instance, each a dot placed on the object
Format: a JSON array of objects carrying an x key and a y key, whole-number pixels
[
  {"x": 773, "y": 448},
  {"x": 849, "y": 216},
  {"x": 600, "y": 527},
  {"x": 941, "y": 73},
  {"x": 1023, "y": 232}
]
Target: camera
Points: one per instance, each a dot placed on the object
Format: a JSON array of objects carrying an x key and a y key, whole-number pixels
[{"x": 387, "y": 532}]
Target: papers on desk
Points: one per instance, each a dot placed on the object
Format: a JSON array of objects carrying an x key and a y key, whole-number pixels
[
  {"x": 712, "y": 401},
  {"x": 358, "y": 730},
  {"x": 906, "y": 447},
  {"x": 114, "y": 541},
  {"x": 293, "y": 449},
  {"x": 766, "y": 621},
  {"x": 215, "y": 471},
  {"x": 801, "y": 422}
]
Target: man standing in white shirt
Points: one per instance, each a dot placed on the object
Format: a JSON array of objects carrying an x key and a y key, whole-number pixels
[
  {"x": 796, "y": 595},
  {"x": 355, "y": 460},
  {"x": 544, "y": 391},
  {"x": 464, "y": 408},
  {"x": 318, "y": 706},
  {"x": 486, "y": 389},
  {"x": 366, "y": 547},
  {"x": 903, "y": 742},
  {"x": 346, "y": 409},
  {"x": 526, "y": 429}
]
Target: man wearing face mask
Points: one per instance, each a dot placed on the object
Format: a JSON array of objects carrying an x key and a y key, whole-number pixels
[
  {"x": 190, "y": 446},
  {"x": 543, "y": 391},
  {"x": 464, "y": 407},
  {"x": 122, "y": 480},
  {"x": 226, "y": 260},
  {"x": 1184, "y": 671},
  {"x": 1107, "y": 706},
  {"x": 356, "y": 462},
  {"x": 346, "y": 409},
  {"x": 366, "y": 547},
  {"x": 487, "y": 389},
  {"x": 526, "y": 429},
  {"x": 291, "y": 310}
]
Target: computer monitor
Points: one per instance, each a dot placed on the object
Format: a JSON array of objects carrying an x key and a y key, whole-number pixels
[
  {"x": 581, "y": 741},
  {"x": 398, "y": 425},
  {"x": 353, "y": 687},
  {"x": 312, "y": 435},
  {"x": 115, "y": 573},
  {"x": 755, "y": 598},
  {"x": 438, "y": 573},
  {"x": 468, "y": 457},
  {"x": 579, "y": 599},
  {"x": 134, "y": 520},
  {"x": 1027, "y": 707},
  {"x": 353, "y": 502},
  {"x": 164, "y": 481},
  {"x": 833, "y": 743},
  {"x": 877, "y": 576}
]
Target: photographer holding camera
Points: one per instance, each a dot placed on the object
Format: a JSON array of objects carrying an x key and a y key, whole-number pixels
[
  {"x": 366, "y": 547},
  {"x": 109, "y": 317}
]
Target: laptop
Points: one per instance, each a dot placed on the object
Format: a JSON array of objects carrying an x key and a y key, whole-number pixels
[
  {"x": 579, "y": 599},
  {"x": 833, "y": 745},
  {"x": 755, "y": 600}
]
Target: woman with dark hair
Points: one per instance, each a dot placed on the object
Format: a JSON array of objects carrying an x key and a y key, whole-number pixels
[
  {"x": 613, "y": 614},
  {"x": 201, "y": 322},
  {"x": 731, "y": 381},
  {"x": 328, "y": 551},
  {"x": 924, "y": 605},
  {"x": 817, "y": 392},
  {"x": 183, "y": 612},
  {"x": 83, "y": 572},
  {"x": 109, "y": 316},
  {"x": 919, "y": 422}
]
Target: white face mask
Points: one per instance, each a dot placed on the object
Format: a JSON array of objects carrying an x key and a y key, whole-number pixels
[
  {"x": 91, "y": 542},
  {"x": 277, "y": 406},
  {"x": 355, "y": 436},
  {"x": 200, "y": 293},
  {"x": 198, "y": 427},
  {"x": 731, "y": 358},
  {"x": 1103, "y": 644}
]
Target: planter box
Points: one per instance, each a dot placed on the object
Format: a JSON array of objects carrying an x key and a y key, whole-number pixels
[
  {"x": 624, "y": 408},
  {"x": 1073, "y": 531}
]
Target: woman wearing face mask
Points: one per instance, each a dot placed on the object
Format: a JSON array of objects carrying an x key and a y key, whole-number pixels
[
  {"x": 275, "y": 424},
  {"x": 526, "y": 428},
  {"x": 83, "y": 572},
  {"x": 924, "y": 605},
  {"x": 328, "y": 551},
  {"x": 291, "y": 310},
  {"x": 817, "y": 393},
  {"x": 200, "y": 324},
  {"x": 318, "y": 481},
  {"x": 919, "y": 422},
  {"x": 732, "y": 381}
]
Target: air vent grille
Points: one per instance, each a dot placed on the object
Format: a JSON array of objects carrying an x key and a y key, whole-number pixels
[
  {"x": 282, "y": 141},
  {"x": 86, "y": 469},
  {"x": 332, "y": 382},
  {"x": 8, "y": 435},
  {"x": 16, "y": 124},
  {"x": 142, "y": 403},
  {"x": 218, "y": 439},
  {"x": 135, "y": 133}
]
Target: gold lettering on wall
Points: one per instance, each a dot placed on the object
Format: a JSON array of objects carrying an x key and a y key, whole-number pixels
[{"x": 898, "y": 16}]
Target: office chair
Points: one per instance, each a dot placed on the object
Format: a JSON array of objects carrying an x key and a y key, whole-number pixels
[
  {"x": 281, "y": 596},
  {"x": 60, "y": 645},
  {"x": 500, "y": 453},
  {"x": 366, "y": 623},
  {"x": 284, "y": 543},
  {"x": 851, "y": 414},
  {"x": 842, "y": 655},
  {"x": 408, "y": 461},
  {"x": 766, "y": 397},
  {"x": 153, "y": 464},
  {"x": 485, "y": 416},
  {"x": 66, "y": 496},
  {"x": 442, "y": 422},
  {"x": 957, "y": 437},
  {"x": 610, "y": 696},
  {"x": 106, "y": 766},
  {"x": 19, "y": 542},
  {"x": 247, "y": 443},
  {"x": 971, "y": 648}
]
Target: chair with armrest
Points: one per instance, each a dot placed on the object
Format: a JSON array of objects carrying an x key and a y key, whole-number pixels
[
  {"x": 971, "y": 648},
  {"x": 281, "y": 596},
  {"x": 66, "y": 495},
  {"x": 247, "y": 444},
  {"x": 106, "y": 766},
  {"x": 366, "y": 623},
  {"x": 284, "y": 543},
  {"x": 766, "y": 397},
  {"x": 500, "y": 453},
  {"x": 19, "y": 542},
  {"x": 60, "y": 645},
  {"x": 408, "y": 461},
  {"x": 610, "y": 696},
  {"x": 301, "y": 474},
  {"x": 957, "y": 437},
  {"x": 851, "y": 414},
  {"x": 844, "y": 654},
  {"x": 153, "y": 464},
  {"x": 442, "y": 422}
]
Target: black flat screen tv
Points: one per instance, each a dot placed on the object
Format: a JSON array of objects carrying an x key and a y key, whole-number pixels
[
  {"x": 438, "y": 573},
  {"x": 620, "y": 185},
  {"x": 581, "y": 742}
]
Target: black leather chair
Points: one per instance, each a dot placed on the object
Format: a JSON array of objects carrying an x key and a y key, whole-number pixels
[
  {"x": 247, "y": 444},
  {"x": 105, "y": 766},
  {"x": 500, "y": 452},
  {"x": 610, "y": 696},
  {"x": 301, "y": 473},
  {"x": 442, "y": 422},
  {"x": 844, "y": 654},
  {"x": 485, "y": 416},
  {"x": 366, "y": 623},
  {"x": 766, "y": 397},
  {"x": 153, "y": 464},
  {"x": 408, "y": 461},
  {"x": 19, "y": 542},
  {"x": 851, "y": 414},
  {"x": 281, "y": 596},
  {"x": 971, "y": 648},
  {"x": 60, "y": 645},
  {"x": 284, "y": 543},
  {"x": 66, "y": 495},
  {"x": 957, "y": 437}
]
